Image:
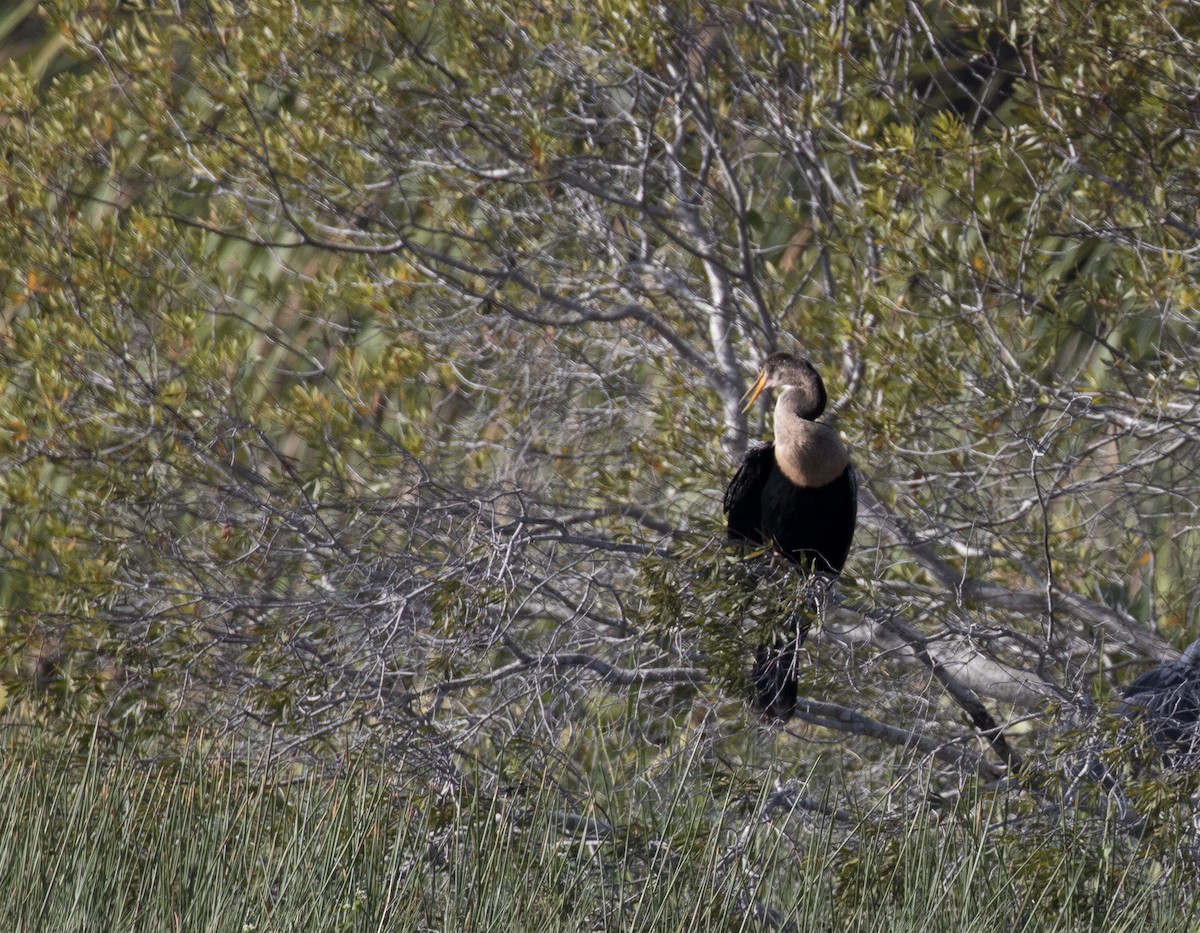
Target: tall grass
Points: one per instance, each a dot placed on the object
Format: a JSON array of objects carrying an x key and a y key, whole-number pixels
[{"x": 98, "y": 843}]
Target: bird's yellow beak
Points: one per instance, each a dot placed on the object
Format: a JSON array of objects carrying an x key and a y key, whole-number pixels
[{"x": 755, "y": 390}]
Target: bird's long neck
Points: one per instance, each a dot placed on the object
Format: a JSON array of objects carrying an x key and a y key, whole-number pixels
[{"x": 808, "y": 453}]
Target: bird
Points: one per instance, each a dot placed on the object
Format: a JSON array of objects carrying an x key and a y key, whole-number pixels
[
  {"x": 798, "y": 496},
  {"x": 1167, "y": 699}
]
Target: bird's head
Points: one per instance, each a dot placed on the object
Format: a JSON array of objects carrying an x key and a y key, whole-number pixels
[{"x": 786, "y": 371}]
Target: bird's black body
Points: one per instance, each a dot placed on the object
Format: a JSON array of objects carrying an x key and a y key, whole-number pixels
[
  {"x": 798, "y": 496},
  {"x": 1167, "y": 699},
  {"x": 809, "y": 526}
]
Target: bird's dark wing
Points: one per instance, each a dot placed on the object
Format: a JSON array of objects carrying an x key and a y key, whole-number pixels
[
  {"x": 743, "y": 495},
  {"x": 851, "y": 479},
  {"x": 854, "y": 491},
  {"x": 1168, "y": 696},
  {"x": 1161, "y": 679}
]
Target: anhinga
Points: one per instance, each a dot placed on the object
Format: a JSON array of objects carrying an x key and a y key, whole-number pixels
[
  {"x": 1167, "y": 699},
  {"x": 797, "y": 495}
]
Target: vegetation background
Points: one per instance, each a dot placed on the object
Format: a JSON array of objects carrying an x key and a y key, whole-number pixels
[{"x": 370, "y": 382}]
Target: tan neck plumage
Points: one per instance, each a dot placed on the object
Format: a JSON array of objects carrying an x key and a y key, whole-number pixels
[{"x": 809, "y": 454}]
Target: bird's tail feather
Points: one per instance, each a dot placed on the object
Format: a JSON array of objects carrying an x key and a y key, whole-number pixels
[{"x": 773, "y": 677}]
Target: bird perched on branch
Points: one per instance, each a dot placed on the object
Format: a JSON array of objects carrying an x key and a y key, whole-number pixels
[
  {"x": 797, "y": 495},
  {"x": 1167, "y": 699}
]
